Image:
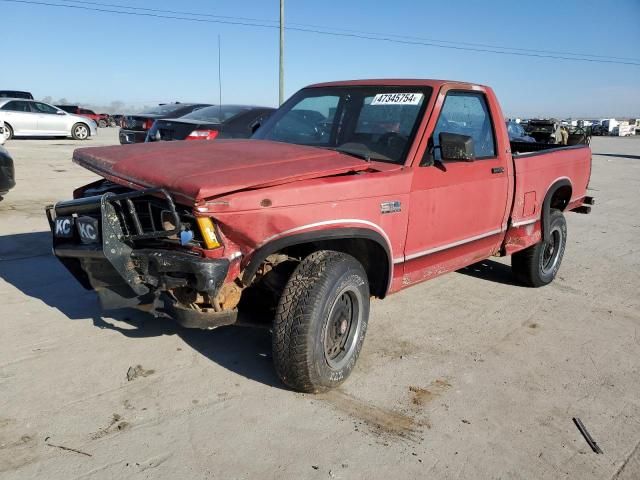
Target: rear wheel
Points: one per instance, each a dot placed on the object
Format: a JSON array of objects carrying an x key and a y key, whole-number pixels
[
  {"x": 538, "y": 265},
  {"x": 8, "y": 132},
  {"x": 80, "y": 131},
  {"x": 321, "y": 321}
]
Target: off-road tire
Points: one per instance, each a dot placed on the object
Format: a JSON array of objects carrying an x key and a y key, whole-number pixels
[
  {"x": 75, "y": 131},
  {"x": 312, "y": 303},
  {"x": 533, "y": 266},
  {"x": 9, "y": 135}
]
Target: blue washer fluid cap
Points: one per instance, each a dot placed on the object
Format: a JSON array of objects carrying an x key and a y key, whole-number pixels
[{"x": 185, "y": 237}]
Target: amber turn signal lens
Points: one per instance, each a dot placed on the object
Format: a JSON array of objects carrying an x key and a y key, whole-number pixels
[{"x": 208, "y": 232}]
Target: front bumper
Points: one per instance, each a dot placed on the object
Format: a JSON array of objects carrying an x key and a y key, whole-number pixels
[
  {"x": 125, "y": 275},
  {"x": 132, "y": 136}
]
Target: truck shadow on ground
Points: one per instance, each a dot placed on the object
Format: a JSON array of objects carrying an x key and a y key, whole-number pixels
[
  {"x": 491, "y": 271},
  {"x": 26, "y": 263}
]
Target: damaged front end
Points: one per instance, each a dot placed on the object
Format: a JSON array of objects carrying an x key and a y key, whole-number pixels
[{"x": 139, "y": 249}]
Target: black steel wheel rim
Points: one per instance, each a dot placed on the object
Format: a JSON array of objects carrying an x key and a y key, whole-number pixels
[
  {"x": 343, "y": 325},
  {"x": 551, "y": 251}
]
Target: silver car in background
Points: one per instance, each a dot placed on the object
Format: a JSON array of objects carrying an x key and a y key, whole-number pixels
[{"x": 30, "y": 118}]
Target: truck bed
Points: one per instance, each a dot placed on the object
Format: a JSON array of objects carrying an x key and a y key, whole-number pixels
[{"x": 537, "y": 171}]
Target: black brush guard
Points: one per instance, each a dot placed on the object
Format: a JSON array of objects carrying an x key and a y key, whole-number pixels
[{"x": 126, "y": 276}]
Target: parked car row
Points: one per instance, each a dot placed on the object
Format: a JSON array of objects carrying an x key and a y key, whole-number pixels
[
  {"x": 102, "y": 119},
  {"x": 25, "y": 117},
  {"x": 192, "y": 121},
  {"x": 134, "y": 128},
  {"x": 549, "y": 131},
  {"x": 30, "y": 118}
]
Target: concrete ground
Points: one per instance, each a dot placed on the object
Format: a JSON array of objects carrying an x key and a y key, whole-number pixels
[{"x": 466, "y": 376}]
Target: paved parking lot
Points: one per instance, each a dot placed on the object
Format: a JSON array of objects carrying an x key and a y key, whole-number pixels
[{"x": 466, "y": 376}]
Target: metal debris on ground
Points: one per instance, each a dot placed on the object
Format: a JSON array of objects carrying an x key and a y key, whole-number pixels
[
  {"x": 68, "y": 449},
  {"x": 594, "y": 446}
]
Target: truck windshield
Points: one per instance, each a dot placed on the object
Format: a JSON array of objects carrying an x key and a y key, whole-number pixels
[{"x": 369, "y": 122}]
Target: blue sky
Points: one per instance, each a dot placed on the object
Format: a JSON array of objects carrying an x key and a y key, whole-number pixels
[{"x": 96, "y": 58}]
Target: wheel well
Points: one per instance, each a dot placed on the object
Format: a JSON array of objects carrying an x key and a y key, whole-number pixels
[
  {"x": 373, "y": 256},
  {"x": 369, "y": 253},
  {"x": 560, "y": 197}
]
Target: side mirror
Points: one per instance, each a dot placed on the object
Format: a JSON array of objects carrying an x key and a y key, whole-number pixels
[
  {"x": 454, "y": 146},
  {"x": 60, "y": 112}
]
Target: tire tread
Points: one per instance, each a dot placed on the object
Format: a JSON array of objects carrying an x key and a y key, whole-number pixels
[{"x": 292, "y": 342}]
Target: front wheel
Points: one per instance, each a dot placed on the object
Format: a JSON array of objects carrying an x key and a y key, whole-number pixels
[
  {"x": 538, "y": 265},
  {"x": 80, "y": 131},
  {"x": 8, "y": 132},
  {"x": 321, "y": 321}
]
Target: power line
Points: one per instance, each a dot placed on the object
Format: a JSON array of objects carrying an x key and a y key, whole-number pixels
[
  {"x": 392, "y": 35},
  {"x": 372, "y": 36},
  {"x": 177, "y": 12}
]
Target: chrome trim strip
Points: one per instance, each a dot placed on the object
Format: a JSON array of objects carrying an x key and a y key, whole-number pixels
[
  {"x": 451, "y": 245},
  {"x": 524, "y": 222}
]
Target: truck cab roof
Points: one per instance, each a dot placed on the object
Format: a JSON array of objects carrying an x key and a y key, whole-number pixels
[{"x": 419, "y": 82}]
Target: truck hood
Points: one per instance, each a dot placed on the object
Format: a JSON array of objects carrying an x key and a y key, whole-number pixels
[{"x": 203, "y": 169}]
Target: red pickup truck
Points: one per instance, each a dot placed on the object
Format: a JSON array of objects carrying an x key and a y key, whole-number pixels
[
  {"x": 350, "y": 190},
  {"x": 101, "y": 119}
]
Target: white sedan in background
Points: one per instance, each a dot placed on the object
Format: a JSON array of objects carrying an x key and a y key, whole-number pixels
[
  {"x": 2, "y": 133},
  {"x": 30, "y": 118}
]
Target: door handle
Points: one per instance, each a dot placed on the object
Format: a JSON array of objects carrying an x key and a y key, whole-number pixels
[{"x": 497, "y": 170}]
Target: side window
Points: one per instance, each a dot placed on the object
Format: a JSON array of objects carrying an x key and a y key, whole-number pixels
[
  {"x": 17, "y": 106},
  {"x": 43, "y": 108},
  {"x": 466, "y": 113}
]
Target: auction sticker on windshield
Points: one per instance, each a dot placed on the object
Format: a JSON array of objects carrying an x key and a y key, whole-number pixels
[{"x": 397, "y": 99}]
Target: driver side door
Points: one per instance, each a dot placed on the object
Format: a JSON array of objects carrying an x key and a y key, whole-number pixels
[
  {"x": 20, "y": 116},
  {"x": 457, "y": 208}
]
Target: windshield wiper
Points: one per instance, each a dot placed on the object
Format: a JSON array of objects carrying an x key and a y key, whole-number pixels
[{"x": 361, "y": 155}]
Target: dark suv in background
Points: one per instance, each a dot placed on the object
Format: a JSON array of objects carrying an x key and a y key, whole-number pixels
[
  {"x": 15, "y": 94},
  {"x": 134, "y": 128}
]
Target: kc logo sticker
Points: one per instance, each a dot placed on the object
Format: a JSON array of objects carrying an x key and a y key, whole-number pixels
[
  {"x": 63, "y": 227},
  {"x": 88, "y": 229}
]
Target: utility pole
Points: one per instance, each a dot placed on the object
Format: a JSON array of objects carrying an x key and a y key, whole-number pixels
[
  {"x": 281, "y": 87},
  {"x": 219, "y": 80}
]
